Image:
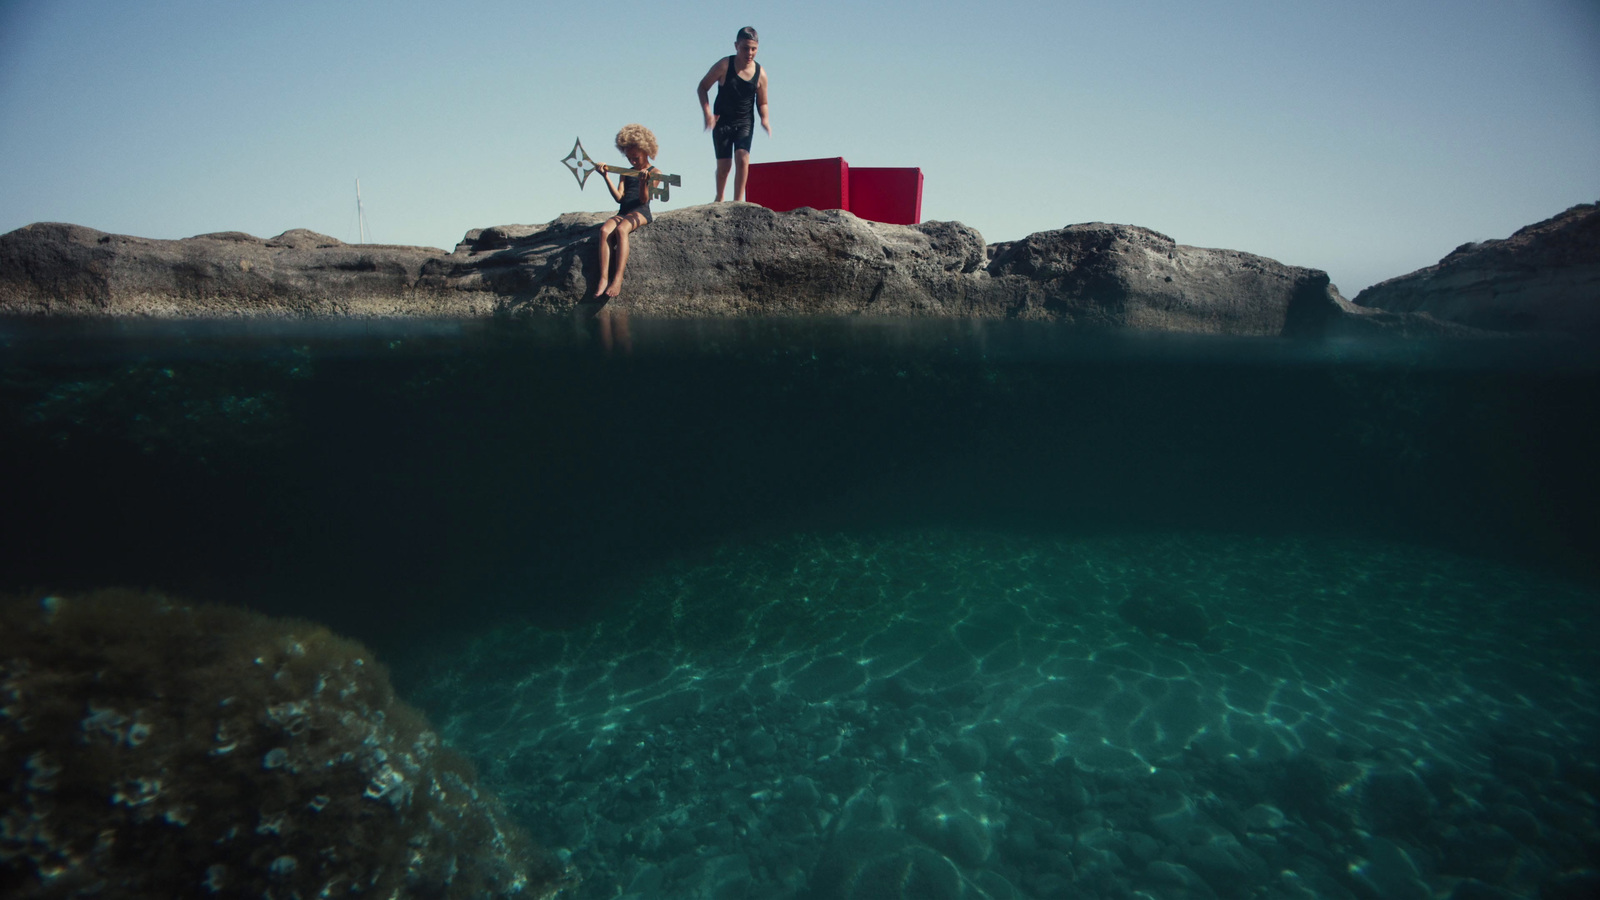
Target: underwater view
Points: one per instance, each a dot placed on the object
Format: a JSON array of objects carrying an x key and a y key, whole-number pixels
[{"x": 826, "y": 608}]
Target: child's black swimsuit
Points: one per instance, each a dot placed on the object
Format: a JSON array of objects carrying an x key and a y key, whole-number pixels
[
  {"x": 735, "y": 109},
  {"x": 636, "y": 197}
]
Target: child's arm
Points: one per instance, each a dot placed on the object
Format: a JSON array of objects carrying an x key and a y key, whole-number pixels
[{"x": 605, "y": 172}]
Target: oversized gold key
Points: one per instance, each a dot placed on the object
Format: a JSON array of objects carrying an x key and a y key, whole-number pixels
[{"x": 581, "y": 166}]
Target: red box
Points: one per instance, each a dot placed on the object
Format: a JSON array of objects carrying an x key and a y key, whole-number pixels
[
  {"x": 892, "y": 195},
  {"x": 887, "y": 195},
  {"x": 817, "y": 183}
]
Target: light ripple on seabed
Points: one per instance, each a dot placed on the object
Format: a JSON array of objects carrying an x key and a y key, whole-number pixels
[{"x": 926, "y": 659}]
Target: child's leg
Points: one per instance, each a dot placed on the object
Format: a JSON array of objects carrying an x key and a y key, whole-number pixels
[
  {"x": 741, "y": 172},
  {"x": 723, "y": 166},
  {"x": 624, "y": 228},
  {"x": 603, "y": 233}
]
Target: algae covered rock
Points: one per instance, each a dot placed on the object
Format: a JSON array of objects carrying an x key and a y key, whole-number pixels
[{"x": 150, "y": 748}]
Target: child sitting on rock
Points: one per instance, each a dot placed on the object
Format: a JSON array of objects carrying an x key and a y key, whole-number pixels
[{"x": 638, "y": 144}]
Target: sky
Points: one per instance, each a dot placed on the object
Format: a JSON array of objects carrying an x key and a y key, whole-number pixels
[{"x": 1367, "y": 139}]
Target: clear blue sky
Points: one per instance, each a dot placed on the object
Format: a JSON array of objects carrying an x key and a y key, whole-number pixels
[{"x": 1364, "y": 138}]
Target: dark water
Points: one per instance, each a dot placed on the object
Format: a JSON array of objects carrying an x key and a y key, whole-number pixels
[{"x": 866, "y": 609}]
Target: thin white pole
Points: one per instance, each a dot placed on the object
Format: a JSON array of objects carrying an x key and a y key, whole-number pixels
[{"x": 361, "y": 216}]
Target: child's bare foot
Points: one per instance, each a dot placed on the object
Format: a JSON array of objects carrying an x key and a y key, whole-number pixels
[
  {"x": 615, "y": 288},
  {"x": 600, "y": 289}
]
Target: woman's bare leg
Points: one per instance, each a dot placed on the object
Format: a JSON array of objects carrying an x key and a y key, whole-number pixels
[{"x": 723, "y": 166}]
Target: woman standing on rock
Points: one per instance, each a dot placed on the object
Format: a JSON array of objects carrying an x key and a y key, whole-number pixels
[
  {"x": 743, "y": 90},
  {"x": 638, "y": 144}
]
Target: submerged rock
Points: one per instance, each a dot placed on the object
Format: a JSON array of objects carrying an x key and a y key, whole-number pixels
[
  {"x": 154, "y": 749},
  {"x": 729, "y": 259},
  {"x": 1544, "y": 279}
]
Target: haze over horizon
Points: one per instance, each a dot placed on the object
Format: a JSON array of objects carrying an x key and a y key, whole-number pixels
[{"x": 1366, "y": 139}]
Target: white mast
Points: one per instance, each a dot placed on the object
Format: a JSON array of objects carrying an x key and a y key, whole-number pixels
[{"x": 361, "y": 216}]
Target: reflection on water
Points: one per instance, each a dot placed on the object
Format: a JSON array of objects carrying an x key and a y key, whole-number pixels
[{"x": 612, "y": 327}]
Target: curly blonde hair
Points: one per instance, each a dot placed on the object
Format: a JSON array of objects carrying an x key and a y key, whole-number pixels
[{"x": 637, "y": 136}]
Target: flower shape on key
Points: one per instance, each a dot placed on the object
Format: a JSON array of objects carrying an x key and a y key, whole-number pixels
[{"x": 579, "y": 162}]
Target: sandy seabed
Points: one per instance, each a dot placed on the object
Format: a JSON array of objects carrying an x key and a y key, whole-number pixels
[{"x": 960, "y": 714}]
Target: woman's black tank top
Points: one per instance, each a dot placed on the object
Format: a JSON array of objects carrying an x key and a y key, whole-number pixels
[{"x": 736, "y": 98}]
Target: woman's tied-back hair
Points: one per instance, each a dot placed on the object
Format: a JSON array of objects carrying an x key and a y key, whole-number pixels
[
  {"x": 746, "y": 33},
  {"x": 640, "y": 137}
]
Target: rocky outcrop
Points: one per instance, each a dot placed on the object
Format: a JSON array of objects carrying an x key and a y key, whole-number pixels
[
  {"x": 739, "y": 258},
  {"x": 57, "y": 269},
  {"x": 1126, "y": 276},
  {"x": 727, "y": 259},
  {"x": 730, "y": 259},
  {"x": 1545, "y": 279}
]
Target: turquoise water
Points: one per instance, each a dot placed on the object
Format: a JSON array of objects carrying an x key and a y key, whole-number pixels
[{"x": 861, "y": 609}]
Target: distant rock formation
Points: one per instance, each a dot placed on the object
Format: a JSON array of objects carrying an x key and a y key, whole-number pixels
[
  {"x": 1545, "y": 279},
  {"x": 727, "y": 259}
]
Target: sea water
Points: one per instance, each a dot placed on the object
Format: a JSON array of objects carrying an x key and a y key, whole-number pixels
[{"x": 853, "y": 608}]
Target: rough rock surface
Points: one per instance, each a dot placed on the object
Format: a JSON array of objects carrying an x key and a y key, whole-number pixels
[
  {"x": 713, "y": 260},
  {"x": 153, "y": 749},
  {"x": 57, "y": 269},
  {"x": 1544, "y": 279}
]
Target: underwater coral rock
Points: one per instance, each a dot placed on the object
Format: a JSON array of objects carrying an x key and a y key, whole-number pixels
[{"x": 150, "y": 748}]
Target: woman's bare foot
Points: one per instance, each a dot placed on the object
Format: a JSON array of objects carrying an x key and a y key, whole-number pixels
[
  {"x": 615, "y": 288},
  {"x": 600, "y": 290}
]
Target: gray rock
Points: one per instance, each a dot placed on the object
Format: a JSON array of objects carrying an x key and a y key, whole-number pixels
[
  {"x": 727, "y": 259},
  {"x": 1127, "y": 276},
  {"x": 1543, "y": 279},
  {"x": 56, "y": 269}
]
